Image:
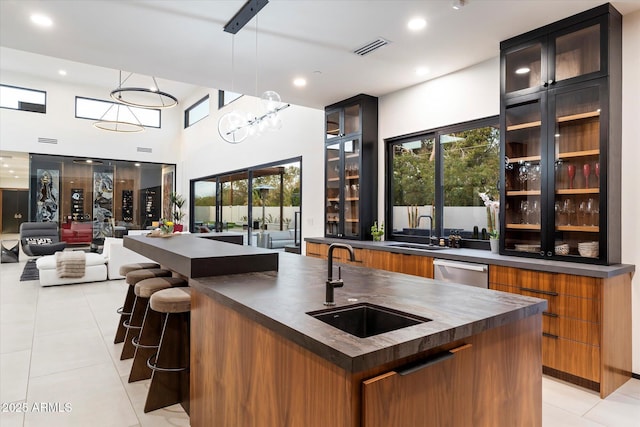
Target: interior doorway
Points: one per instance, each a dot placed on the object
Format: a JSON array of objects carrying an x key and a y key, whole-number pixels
[{"x": 15, "y": 209}]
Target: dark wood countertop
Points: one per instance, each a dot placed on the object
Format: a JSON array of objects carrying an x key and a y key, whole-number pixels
[
  {"x": 486, "y": 257},
  {"x": 280, "y": 301},
  {"x": 194, "y": 256}
]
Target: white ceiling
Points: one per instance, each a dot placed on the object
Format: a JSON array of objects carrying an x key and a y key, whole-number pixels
[{"x": 183, "y": 41}]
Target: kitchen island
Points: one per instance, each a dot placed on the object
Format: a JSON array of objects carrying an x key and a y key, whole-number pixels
[{"x": 258, "y": 358}]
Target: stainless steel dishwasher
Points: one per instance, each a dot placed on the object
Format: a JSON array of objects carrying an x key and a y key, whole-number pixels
[{"x": 465, "y": 273}]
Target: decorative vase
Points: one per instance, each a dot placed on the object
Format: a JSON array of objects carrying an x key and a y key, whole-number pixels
[
  {"x": 495, "y": 245},
  {"x": 177, "y": 228}
]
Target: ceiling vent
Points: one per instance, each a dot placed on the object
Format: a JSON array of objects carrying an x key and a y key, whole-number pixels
[
  {"x": 144, "y": 150},
  {"x": 371, "y": 46},
  {"x": 47, "y": 140}
]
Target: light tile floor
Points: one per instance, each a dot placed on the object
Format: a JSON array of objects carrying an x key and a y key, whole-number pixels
[{"x": 56, "y": 348}]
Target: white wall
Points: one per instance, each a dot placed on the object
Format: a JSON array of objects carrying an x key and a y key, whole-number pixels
[
  {"x": 205, "y": 153},
  {"x": 474, "y": 93},
  {"x": 77, "y": 137},
  {"x": 630, "y": 165}
]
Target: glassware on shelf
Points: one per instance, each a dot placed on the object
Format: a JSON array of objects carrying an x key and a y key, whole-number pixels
[
  {"x": 534, "y": 212},
  {"x": 569, "y": 210},
  {"x": 593, "y": 211},
  {"x": 524, "y": 212},
  {"x": 571, "y": 171},
  {"x": 586, "y": 171},
  {"x": 557, "y": 209},
  {"x": 523, "y": 172},
  {"x": 583, "y": 218},
  {"x": 534, "y": 177},
  {"x": 597, "y": 168}
]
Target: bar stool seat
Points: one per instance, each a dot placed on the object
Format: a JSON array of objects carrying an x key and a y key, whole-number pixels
[
  {"x": 170, "y": 365},
  {"x": 133, "y": 323},
  {"x": 127, "y": 268},
  {"x": 125, "y": 311},
  {"x": 145, "y": 343}
]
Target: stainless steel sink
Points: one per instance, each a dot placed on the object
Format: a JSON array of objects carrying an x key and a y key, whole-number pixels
[
  {"x": 419, "y": 246},
  {"x": 366, "y": 320}
]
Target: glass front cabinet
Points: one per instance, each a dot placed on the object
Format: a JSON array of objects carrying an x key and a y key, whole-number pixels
[
  {"x": 561, "y": 143},
  {"x": 351, "y": 167}
]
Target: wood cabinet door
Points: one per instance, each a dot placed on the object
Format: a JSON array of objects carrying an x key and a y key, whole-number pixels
[{"x": 437, "y": 392}]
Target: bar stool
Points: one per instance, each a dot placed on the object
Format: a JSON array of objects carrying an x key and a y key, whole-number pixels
[
  {"x": 170, "y": 365},
  {"x": 125, "y": 310},
  {"x": 133, "y": 323},
  {"x": 147, "y": 340}
]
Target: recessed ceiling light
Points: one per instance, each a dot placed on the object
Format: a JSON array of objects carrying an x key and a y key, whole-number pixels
[
  {"x": 137, "y": 164},
  {"x": 16, "y": 176},
  {"x": 11, "y": 171},
  {"x": 523, "y": 70},
  {"x": 5, "y": 165},
  {"x": 41, "y": 20},
  {"x": 416, "y": 24},
  {"x": 62, "y": 72},
  {"x": 421, "y": 71},
  {"x": 299, "y": 82},
  {"x": 89, "y": 161}
]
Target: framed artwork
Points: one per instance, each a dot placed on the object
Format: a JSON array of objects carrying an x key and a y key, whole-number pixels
[
  {"x": 48, "y": 197},
  {"x": 102, "y": 204},
  {"x": 167, "y": 189}
]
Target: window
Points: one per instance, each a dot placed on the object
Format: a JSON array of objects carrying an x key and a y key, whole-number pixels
[
  {"x": 95, "y": 109},
  {"x": 440, "y": 173},
  {"x": 226, "y": 98},
  {"x": 196, "y": 112},
  {"x": 18, "y": 98}
]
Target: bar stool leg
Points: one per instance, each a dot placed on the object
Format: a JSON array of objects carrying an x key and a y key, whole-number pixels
[
  {"x": 170, "y": 378},
  {"x": 125, "y": 313},
  {"x": 146, "y": 345},
  {"x": 133, "y": 325}
]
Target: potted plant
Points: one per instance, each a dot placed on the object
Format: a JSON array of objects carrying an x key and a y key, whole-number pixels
[
  {"x": 177, "y": 202},
  {"x": 493, "y": 208},
  {"x": 377, "y": 231}
]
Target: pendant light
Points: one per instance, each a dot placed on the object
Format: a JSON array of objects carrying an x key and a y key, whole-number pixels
[{"x": 143, "y": 97}]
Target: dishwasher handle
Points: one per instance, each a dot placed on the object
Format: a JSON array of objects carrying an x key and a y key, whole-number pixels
[{"x": 461, "y": 265}]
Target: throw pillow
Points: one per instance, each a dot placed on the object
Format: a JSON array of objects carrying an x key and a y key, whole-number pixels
[{"x": 39, "y": 240}]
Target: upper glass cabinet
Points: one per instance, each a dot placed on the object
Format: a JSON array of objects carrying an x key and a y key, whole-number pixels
[
  {"x": 342, "y": 122},
  {"x": 568, "y": 55}
]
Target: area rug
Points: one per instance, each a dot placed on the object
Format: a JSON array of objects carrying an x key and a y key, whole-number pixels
[{"x": 30, "y": 271}]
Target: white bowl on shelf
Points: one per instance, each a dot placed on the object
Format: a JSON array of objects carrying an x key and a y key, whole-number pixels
[{"x": 588, "y": 249}]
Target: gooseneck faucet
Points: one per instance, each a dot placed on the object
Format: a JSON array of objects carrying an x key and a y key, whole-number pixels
[
  {"x": 331, "y": 284},
  {"x": 430, "y": 224}
]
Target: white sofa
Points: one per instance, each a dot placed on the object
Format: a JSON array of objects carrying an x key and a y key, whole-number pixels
[
  {"x": 95, "y": 271},
  {"x": 117, "y": 255}
]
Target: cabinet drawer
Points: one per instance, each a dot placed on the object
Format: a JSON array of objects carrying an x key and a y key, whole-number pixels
[
  {"x": 316, "y": 250},
  {"x": 579, "y": 286},
  {"x": 522, "y": 278},
  {"x": 572, "y": 357},
  {"x": 572, "y": 329},
  {"x": 562, "y": 305}
]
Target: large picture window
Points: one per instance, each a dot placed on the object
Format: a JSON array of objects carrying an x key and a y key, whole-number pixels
[{"x": 436, "y": 179}]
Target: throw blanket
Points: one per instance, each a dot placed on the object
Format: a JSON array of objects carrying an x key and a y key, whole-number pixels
[{"x": 70, "y": 264}]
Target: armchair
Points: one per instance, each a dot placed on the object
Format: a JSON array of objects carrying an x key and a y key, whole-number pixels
[{"x": 40, "y": 238}]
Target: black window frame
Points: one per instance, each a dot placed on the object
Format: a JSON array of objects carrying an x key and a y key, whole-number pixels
[
  {"x": 75, "y": 112},
  {"x": 436, "y": 133},
  {"x": 221, "y": 102},
  {"x": 30, "y": 110},
  {"x": 187, "y": 124}
]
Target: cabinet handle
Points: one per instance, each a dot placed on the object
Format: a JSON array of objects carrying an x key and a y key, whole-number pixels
[
  {"x": 541, "y": 253},
  {"x": 432, "y": 360},
  {"x": 313, "y": 253},
  {"x": 538, "y": 291},
  {"x": 546, "y": 313},
  {"x": 549, "y": 253},
  {"x": 555, "y": 337}
]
